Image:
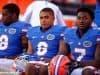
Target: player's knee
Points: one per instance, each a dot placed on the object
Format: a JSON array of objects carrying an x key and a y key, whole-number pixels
[
  {"x": 77, "y": 71},
  {"x": 30, "y": 68},
  {"x": 88, "y": 72},
  {"x": 43, "y": 70}
]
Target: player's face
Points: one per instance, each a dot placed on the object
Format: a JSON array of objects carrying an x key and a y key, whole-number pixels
[
  {"x": 6, "y": 17},
  {"x": 46, "y": 20},
  {"x": 83, "y": 20}
]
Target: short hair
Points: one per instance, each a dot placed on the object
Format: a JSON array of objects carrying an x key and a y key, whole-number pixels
[
  {"x": 12, "y": 8},
  {"x": 47, "y": 10},
  {"x": 86, "y": 9}
]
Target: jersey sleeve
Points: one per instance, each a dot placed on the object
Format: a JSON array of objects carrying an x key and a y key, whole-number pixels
[
  {"x": 97, "y": 13},
  {"x": 25, "y": 29},
  {"x": 62, "y": 32},
  {"x": 98, "y": 36},
  {"x": 66, "y": 33}
]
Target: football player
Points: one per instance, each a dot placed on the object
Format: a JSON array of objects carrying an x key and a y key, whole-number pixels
[
  {"x": 43, "y": 43},
  {"x": 11, "y": 32},
  {"x": 84, "y": 41}
]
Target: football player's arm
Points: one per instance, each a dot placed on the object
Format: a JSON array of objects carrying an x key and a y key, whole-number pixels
[
  {"x": 24, "y": 43},
  {"x": 30, "y": 48},
  {"x": 96, "y": 61},
  {"x": 64, "y": 48},
  {"x": 24, "y": 38},
  {"x": 97, "y": 55}
]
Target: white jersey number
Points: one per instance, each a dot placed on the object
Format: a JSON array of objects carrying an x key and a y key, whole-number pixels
[
  {"x": 3, "y": 42},
  {"x": 42, "y": 48},
  {"x": 82, "y": 53}
]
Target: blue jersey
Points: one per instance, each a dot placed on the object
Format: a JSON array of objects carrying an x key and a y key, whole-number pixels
[
  {"x": 10, "y": 38},
  {"x": 45, "y": 44},
  {"x": 97, "y": 13},
  {"x": 83, "y": 49}
]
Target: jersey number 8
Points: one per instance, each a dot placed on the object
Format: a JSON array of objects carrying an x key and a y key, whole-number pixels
[
  {"x": 3, "y": 42},
  {"x": 42, "y": 48}
]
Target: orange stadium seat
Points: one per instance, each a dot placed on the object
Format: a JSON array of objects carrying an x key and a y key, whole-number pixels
[
  {"x": 21, "y": 3},
  {"x": 70, "y": 23},
  {"x": 2, "y": 3}
]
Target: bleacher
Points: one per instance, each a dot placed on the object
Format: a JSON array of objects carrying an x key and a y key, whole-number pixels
[{"x": 68, "y": 7}]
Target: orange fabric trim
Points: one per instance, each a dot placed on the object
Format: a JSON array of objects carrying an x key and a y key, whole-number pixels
[{"x": 90, "y": 1}]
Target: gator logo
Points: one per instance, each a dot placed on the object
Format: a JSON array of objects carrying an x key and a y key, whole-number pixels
[{"x": 87, "y": 43}]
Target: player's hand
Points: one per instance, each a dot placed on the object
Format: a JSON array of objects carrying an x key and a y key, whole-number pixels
[{"x": 73, "y": 65}]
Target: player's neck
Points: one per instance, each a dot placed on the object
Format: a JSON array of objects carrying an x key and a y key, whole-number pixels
[
  {"x": 8, "y": 24},
  {"x": 45, "y": 29},
  {"x": 81, "y": 32}
]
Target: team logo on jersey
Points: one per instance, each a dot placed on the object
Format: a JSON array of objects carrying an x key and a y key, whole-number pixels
[
  {"x": 12, "y": 31},
  {"x": 87, "y": 43},
  {"x": 50, "y": 36}
]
